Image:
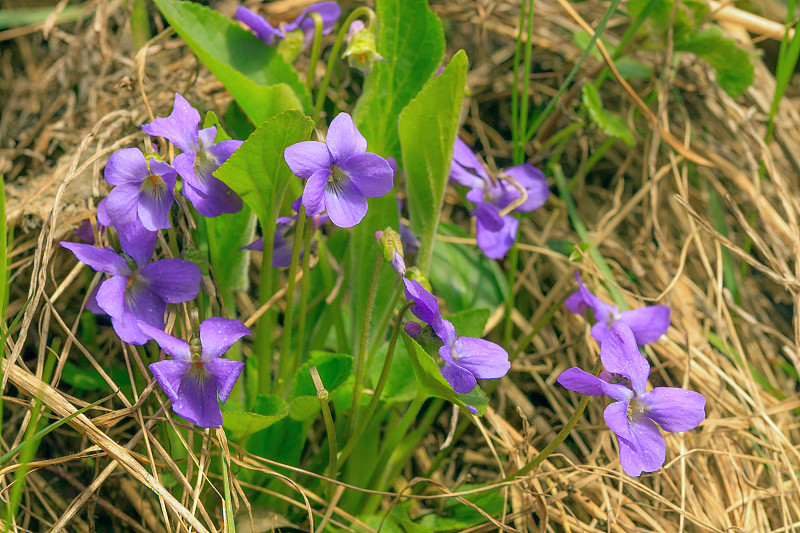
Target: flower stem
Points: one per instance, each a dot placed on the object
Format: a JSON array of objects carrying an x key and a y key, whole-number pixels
[
  {"x": 316, "y": 47},
  {"x": 266, "y": 324},
  {"x": 511, "y": 266},
  {"x": 376, "y": 395},
  {"x": 561, "y": 437},
  {"x": 361, "y": 355},
  {"x": 337, "y": 45},
  {"x": 301, "y": 319},
  {"x": 229, "y": 514},
  {"x": 322, "y": 396},
  {"x": 285, "y": 368}
]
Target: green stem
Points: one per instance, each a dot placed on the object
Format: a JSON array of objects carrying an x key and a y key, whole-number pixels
[
  {"x": 337, "y": 45},
  {"x": 561, "y": 437},
  {"x": 330, "y": 283},
  {"x": 511, "y": 277},
  {"x": 376, "y": 395},
  {"x": 322, "y": 396},
  {"x": 391, "y": 443},
  {"x": 301, "y": 319},
  {"x": 227, "y": 492},
  {"x": 519, "y": 149},
  {"x": 316, "y": 48},
  {"x": 361, "y": 354},
  {"x": 285, "y": 366}
]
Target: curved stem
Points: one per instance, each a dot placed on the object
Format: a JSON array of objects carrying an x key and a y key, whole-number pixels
[
  {"x": 316, "y": 48},
  {"x": 361, "y": 355},
  {"x": 337, "y": 45},
  {"x": 561, "y": 437},
  {"x": 322, "y": 396},
  {"x": 376, "y": 395}
]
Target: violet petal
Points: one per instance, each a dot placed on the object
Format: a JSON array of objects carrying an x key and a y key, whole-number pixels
[
  {"x": 217, "y": 335},
  {"x": 126, "y": 166},
  {"x": 314, "y": 192},
  {"x": 647, "y": 453},
  {"x": 225, "y": 373},
  {"x": 343, "y": 139},
  {"x": 495, "y": 244},
  {"x": 674, "y": 409},
  {"x": 620, "y": 355},
  {"x": 485, "y": 359},
  {"x": 307, "y": 158},
  {"x": 111, "y": 295},
  {"x": 647, "y": 323},
  {"x": 459, "y": 378},
  {"x": 177, "y": 348},
  {"x": 533, "y": 181},
  {"x": 173, "y": 280},
  {"x": 580, "y": 381},
  {"x": 370, "y": 172},
  {"x": 179, "y": 128},
  {"x": 100, "y": 259},
  {"x": 345, "y": 204},
  {"x": 264, "y": 30}
]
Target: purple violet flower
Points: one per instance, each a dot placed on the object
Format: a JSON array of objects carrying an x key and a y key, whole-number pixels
[
  {"x": 143, "y": 189},
  {"x": 634, "y": 415},
  {"x": 495, "y": 232},
  {"x": 198, "y": 375},
  {"x": 201, "y": 157},
  {"x": 136, "y": 290},
  {"x": 329, "y": 11},
  {"x": 341, "y": 173},
  {"x": 647, "y": 323},
  {"x": 465, "y": 358}
]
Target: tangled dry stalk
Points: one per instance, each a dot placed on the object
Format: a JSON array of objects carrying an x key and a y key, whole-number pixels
[{"x": 71, "y": 99}]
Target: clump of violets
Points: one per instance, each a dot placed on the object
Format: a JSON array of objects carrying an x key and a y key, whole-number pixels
[
  {"x": 465, "y": 359},
  {"x": 142, "y": 189},
  {"x": 201, "y": 157},
  {"x": 285, "y": 234},
  {"x": 303, "y": 25},
  {"x": 198, "y": 375},
  {"x": 137, "y": 291},
  {"x": 497, "y": 230},
  {"x": 340, "y": 173},
  {"x": 636, "y": 411},
  {"x": 646, "y": 323}
]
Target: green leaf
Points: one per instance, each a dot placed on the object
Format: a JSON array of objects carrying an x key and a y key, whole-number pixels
[
  {"x": 428, "y": 127},
  {"x": 470, "y": 322},
  {"x": 432, "y": 381},
  {"x": 85, "y": 379},
  {"x": 410, "y": 38},
  {"x": 257, "y": 170},
  {"x": 401, "y": 385},
  {"x": 266, "y": 411},
  {"x": 733, "y": 66},
  {"x": 333, "y": 368},
  {"x": 611, "y": 123},
  {"x": 457, "y": 516},
  {"x": 259, "y": 79},
  {"x": 464, "y": 277}
]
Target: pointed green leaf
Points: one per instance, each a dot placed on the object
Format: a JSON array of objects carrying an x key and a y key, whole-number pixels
[
  {"x": 333, "y": 368},
  {"x": 470, "y": 322},
  {"x": 733, "y": 66},
  {"x": 432, "y": 381},
  {"x": 257, "y": 171},
  {"x": 410, "y": 38},
  {"x": 266, "y": 411},
  {"x": 428, "y": 127},
  {"x": 611, "y": 123},
  {"x": 259, "y": 79}
]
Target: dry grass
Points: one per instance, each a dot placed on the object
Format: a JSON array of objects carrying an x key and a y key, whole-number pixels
[{"x": 71, "y": 100}]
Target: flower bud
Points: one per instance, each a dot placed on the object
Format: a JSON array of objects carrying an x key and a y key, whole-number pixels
[
  {"x": 414, "y": 274},
  {"x": 361, "y": 52},
  {"x": 392, "y": 247}
]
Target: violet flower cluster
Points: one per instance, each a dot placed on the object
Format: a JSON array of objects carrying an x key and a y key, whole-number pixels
[
  {"x": 497, "y": 230},
  {"x": 340, "y": 173},
  {"x": 636, "y": 413},
  {"x": 466, "y": 359}
]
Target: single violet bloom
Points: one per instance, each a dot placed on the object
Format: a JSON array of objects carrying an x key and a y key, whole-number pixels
[
  {"x": 197, "y": 375},
  {"x": 465, "y": 358},
  {"x": 496, "y": 232},
  {"x": 137, "y": 291},
  {"x": 329, "y": 11},
  {"x": 340, "y": 173},
  {"x": 142, "y": 189},
  {"x": 647, "y": 323},
  {"x": 201, "y": 157},
  {"x": 634, "y": 415}
]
